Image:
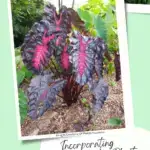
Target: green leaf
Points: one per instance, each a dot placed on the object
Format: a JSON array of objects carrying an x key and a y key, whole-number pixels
[
  {"x": 112, "y": 83},
  {"x": 17, "y": 52},
  {"x": 28, "y": 74},
  {"x": 84, "y": 100},
  {"x": 114, "y": 121},
  {"x": 85, "y": 15},
  {"x": 20, "y": 76},
  {"x": 100, "y": 27},
  {"x": 111, "y": 68},
  {"x": 88, "y": 25},
  {"x": 22, "y": 104}
]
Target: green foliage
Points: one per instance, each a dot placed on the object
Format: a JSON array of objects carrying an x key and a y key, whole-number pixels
[
  {"x": 138, "y": 1},
  {"x": 110, "y": 67},
  {"x": 112, "y": 83},
  {"x": 100, "y": 20},
  {"x": 85, "y": 103},
  {"x": 24, "y": 14},
  {"x": 100, "y": 27},
  {"x": 114, "y": 121},
  {"x": 20, "y": 76},
  {"x": 22, "y": 105},
  {"x": 22, "y": 72},
  {"x": 104, "y": 21}
]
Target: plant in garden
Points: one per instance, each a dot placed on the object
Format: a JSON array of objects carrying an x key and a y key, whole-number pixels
[
  {"x": 114, "y": 121},
  {"x": 75, "y": 57}
]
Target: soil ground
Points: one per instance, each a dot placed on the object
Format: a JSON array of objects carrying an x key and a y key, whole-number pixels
[{"x": 62, "y": 119}]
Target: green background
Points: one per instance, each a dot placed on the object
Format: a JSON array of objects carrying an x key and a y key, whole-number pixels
[{"x": 139, "y": 52}]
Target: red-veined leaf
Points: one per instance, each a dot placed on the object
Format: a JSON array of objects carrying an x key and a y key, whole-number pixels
[{"x": 82, "y": 57}]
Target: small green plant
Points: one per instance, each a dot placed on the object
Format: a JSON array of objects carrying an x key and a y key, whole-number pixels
[
  {"x": 112, "y": 83},
  {"x": 114, "y": 121},
  {"x": 85, "y": 103}
]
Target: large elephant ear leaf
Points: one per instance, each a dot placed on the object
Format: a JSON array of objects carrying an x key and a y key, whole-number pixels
[
  {"x": 35, "y": 50},
  {"x": 100, "y": 94},
  {"x": 100, "y": 46},
  {"x": 49, "y": 12},
  {"x": 61, "y": 20},
  {"x": 100, "y": 49},
  {"x": 77, "y": 21},
  {"x": 42, "y": 94},
  {"x": 82, "y": 56}
]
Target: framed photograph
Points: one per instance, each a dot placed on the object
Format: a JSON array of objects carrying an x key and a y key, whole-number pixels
[
  {"x": 71, "y": 67},
  {"x": 137, "y": 1},
  {"x": 138, "y": 6}
]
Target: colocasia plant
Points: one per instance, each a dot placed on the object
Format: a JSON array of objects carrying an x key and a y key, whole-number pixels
[{"x": 61, "y": 39}]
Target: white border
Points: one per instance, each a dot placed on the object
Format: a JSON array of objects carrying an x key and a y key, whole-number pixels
[
  {"x": 125, "y": 71},
  {"x": 138, "y": 8}
]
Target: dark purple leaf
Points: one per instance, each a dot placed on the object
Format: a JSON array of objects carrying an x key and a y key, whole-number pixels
[
  {"x": 99, "y": 65},
  {"x": 100, "y": 93},
  {"x": 76, "y": 20},
  {"x": 49, "y": 12},
  {"x": 100, "y": 46},
  {"x": 61, "y": 21},
  {"x": 42, "y": 94},
  {"x": 100, "y": 49},
  {"x": 82, "y": 57},
  {"x": 35, "y": 50}
]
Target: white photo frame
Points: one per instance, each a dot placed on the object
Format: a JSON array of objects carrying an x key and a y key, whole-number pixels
[
  {"x": 138, "y": 8},
  {"x": 125, "y": 71}
]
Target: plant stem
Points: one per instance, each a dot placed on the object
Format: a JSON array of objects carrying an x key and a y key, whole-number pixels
[
  {"x": 73, "y": 2},
  {"x": 117, "y": 66},
  {"x": 107, "y": 55},
  {"x": 59, "y": 4}
]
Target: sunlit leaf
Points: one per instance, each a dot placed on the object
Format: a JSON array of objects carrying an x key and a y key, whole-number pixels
[
  {"x": 100, "y": 27},
  {"x": 85, "y": 15}
]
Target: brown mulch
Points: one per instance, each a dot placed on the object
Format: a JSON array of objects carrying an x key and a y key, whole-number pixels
[{"x": 62, "y": 119}]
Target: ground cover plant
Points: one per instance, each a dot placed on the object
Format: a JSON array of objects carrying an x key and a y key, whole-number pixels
[{"x": 65, "y": 56}]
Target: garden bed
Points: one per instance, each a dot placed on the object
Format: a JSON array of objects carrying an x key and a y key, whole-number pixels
[{"x": 62, "y": 119}]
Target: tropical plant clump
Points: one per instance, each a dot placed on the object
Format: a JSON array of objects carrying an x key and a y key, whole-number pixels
[{"x": 61, "y": 41}]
